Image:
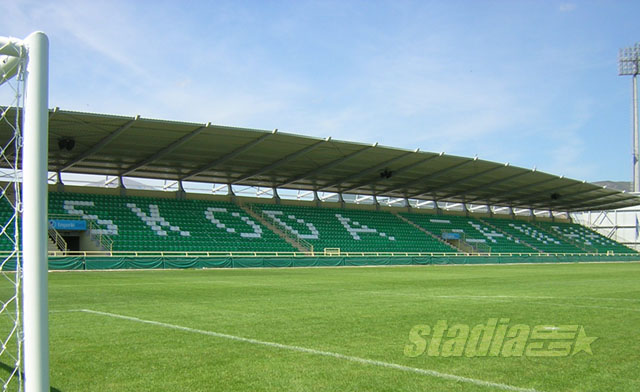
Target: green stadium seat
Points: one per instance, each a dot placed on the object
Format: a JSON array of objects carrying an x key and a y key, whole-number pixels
[
  {"x": 159, "y": 224},
  {"x": 140, "y": 223},
  {"x": 585, "y": 238},
  {"x": 473, "y": 231},
  {"x": 351, "y": 230}
]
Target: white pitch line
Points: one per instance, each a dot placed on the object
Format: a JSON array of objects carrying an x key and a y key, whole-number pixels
[
  {"x": 540, "y": 297},
  {"x": 604, "y": 298},
  {"x": 427, "y": 372},
  {"x": 505, "y": 299},
  {"x": 491, "y": 296},
  {"x": 567, "y": 305}
]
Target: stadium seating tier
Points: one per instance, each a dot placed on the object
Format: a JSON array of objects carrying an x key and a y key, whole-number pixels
[
  {"x": 150, "y": 224},
  {"x": 156, "y": 224},
  {"x": 352, "y": 230}
]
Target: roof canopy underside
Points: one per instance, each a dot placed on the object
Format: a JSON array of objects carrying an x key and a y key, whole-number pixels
[{"x": 147, "y": 148}]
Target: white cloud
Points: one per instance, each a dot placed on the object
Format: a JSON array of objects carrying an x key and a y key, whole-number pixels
[
  {"x": 567, "y": 7},
  {"x": 411, "y": 78}
]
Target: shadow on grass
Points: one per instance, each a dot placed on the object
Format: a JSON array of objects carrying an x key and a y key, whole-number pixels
[{"x": 10, "y": 369}]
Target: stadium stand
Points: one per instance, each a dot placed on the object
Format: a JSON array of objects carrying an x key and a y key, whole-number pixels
[
  {"x": 352, "y": 230},
  {"x": 584, "y": 238},
  {"x": 473, "y": 231},
  {"x": 153, "y": 224},
  {"x": 170, "y": 225},
  {"x": 535, "y": 236}
]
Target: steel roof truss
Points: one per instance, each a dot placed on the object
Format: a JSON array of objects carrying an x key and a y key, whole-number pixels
[
  {"x": 600, "y": 206},
  {"x": 487, "y": 185},
  {"x": 564, "y": 196},
  {"x": 517, "y": 190},
  {"x": 586, "y": 203},
  {"x": 168, "y": 149},
  {"x": 395, "y": 173},
  {"x": 227, "y": 157},
  {"x": 326, "y": 167},
  {"x": 532, "y": 196},
  {"x": 460, "y": 181},
  {"x": 281, "y": 162},
  {"x": 98, "y": 146},
  {"x": 368, "y": 171},
  {"x": 429, "y": 176}
]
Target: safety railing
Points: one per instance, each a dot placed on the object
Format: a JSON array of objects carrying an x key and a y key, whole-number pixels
[
  {"x": 292, "y": 238},
  {"x": 332, "y": 252},
  {"x": 97, "y": 234},
  {"x": 150, "y": 253},
  {"x": 57, "y": 239},
  {"x": 459, "y": 240},
  {"x": 95, "y": 231}
]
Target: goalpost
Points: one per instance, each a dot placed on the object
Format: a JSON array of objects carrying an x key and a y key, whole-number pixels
[{"x": 25, "y": 153}]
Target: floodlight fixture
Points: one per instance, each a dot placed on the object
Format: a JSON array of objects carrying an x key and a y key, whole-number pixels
[{"x": 629, "y": 60}]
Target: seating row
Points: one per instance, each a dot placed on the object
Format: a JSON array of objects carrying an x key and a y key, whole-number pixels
[{"x": 146, "y": 223}]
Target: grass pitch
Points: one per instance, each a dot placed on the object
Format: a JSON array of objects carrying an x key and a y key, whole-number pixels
[{"x": 335, "y": 329}]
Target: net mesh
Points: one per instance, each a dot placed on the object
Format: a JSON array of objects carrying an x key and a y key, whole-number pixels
[{"x": 11, "y": 100}]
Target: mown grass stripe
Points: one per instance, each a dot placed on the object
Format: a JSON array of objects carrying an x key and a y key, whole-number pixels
[{"x": 427, "y": 372}]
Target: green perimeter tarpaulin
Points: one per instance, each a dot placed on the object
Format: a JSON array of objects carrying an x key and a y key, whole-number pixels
[{"x": 159, "y": 262}]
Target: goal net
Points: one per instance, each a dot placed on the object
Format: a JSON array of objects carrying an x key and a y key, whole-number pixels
[{"x": 12, "y": 77}]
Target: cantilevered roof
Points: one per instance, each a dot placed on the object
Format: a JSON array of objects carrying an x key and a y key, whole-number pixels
[{"x": 149, "y": 148}]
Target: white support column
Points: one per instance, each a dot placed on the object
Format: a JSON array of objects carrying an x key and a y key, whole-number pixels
[
  {"x": 316, "y": 198},
  {"x": 276, "y": 196},
  {"x": 629, "y": 64},
  {"x": 181, "y": 194},
  {"x": 34, "y": 221},
  {"x": 59, "y": 182},
  {"x": 376, "y": 203}
]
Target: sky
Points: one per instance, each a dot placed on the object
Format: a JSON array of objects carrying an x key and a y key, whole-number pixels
[{"x": 533, "y": 83}]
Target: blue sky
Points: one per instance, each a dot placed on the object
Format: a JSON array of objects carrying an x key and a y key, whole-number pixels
[{"x": 533, "y": 83}]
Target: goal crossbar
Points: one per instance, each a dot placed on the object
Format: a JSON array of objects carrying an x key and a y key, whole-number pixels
[{"x": 10, "y": 56}]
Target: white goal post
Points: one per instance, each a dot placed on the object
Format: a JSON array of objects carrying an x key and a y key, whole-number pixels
[{"x": 29, "y": 60}]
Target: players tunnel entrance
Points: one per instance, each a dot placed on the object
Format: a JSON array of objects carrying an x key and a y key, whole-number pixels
[{"x": 73, "y": 242}]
